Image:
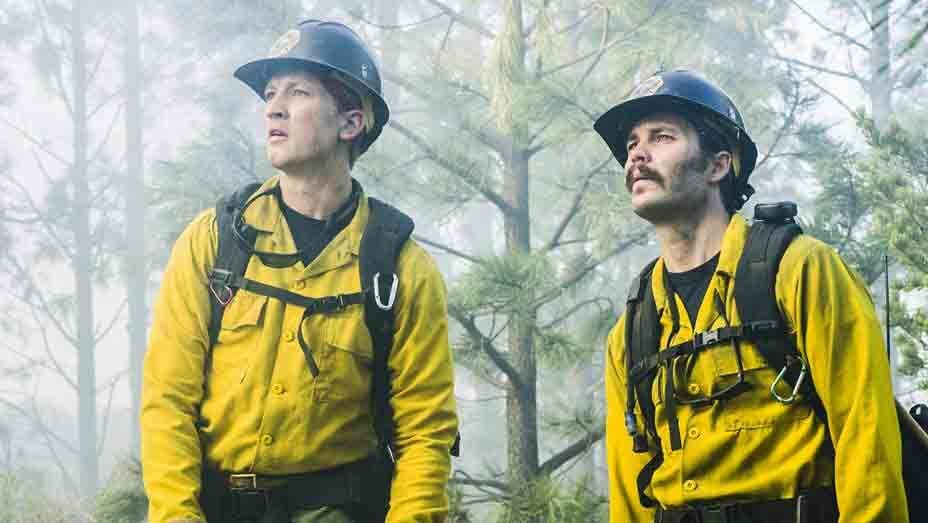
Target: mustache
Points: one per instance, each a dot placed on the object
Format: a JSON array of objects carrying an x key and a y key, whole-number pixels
[{"x": 644, "y": 173}]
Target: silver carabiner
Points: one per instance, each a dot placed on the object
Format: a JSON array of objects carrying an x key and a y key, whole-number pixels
[
  {"x": 228, "y": 294},
  {"x": 392, "y": 297},
  {"x": 802, "y": 376}
]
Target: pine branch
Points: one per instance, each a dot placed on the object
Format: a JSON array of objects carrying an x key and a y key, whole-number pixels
[
  {"x": 106, "y": 330},
  {"x": 841, "y": 35},
  {"x": 449, "y": 250},
  {"x": 486, "y": 345},
  {"x": 572, "y": 451},
  {"x": 572, "y": 280},
  {"x": 819, "y": 68},
  {"x": 575, "y": 206},
  {"x": 465, "y": 175},
  {"x": 466, "y": 21}
]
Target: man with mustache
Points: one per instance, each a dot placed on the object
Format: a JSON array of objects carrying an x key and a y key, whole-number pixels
[
  {"x": 701, "y": 426},
  {"x": 307, "y": 388}
]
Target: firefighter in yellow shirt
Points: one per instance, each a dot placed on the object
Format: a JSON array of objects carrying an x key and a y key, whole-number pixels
[
  {"x": 269, "y": 396},
  {"x": 715, "y": 433}
]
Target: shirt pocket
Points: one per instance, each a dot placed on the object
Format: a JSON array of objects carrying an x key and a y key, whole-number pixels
[
  {"x": 238, "y": 337},
  {"x": 756, "y": 407},
  {"x": 347, "y": 358}
]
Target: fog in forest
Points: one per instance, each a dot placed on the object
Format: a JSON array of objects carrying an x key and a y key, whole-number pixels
[{"x": 121, "y": 121}]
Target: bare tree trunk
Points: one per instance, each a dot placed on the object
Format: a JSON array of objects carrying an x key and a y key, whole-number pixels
[
  {"x": 880, "y": 63},
  {"x": 521, "y": 396},
  {"x": 136, "y": 265},
  {"x": 82, "y": 265}
]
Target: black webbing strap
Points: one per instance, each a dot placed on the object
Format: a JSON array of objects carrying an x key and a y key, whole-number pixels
[
  {"x": 386, "y": 233},
  {"x": 757, "y": 304},
  {"x": 325, "y": 304},
  {"x": 702, "y": 340},
  {"x": 642, "y": 338},
  {"x": 756, "y": 301},
  {"x": 230, "y": 257}
]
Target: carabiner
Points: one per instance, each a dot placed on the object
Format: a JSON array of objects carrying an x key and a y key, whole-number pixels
[
  {"x": 228, "y": 293},
  {"x": 802, "y": 376},
  {"x": 392, "y": 297}
]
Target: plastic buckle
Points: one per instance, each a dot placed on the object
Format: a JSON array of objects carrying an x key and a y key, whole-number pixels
[
  {"x": 802, "y": 376},
  {"x": 391, "y": 299},
  {"x": 708, "y": 338}
]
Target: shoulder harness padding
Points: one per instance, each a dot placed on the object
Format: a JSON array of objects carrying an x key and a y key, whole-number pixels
[
  {"x": 231, "y": 259},
  {"x": 642, "y": 338},
  {"x": 386, "y": 232}
]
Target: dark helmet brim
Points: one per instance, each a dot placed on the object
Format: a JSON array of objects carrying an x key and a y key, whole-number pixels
[
  {"x": 258, "y": 73},
  {"x": 614, "y": 126}
]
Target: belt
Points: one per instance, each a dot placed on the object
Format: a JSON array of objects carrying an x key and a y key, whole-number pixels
[
  {"x": 254, "y": 494},
  {"x": 812, "y": 506}
]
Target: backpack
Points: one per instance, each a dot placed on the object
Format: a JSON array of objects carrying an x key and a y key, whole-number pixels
[
  {"x": 773, "y": 230},
  {"x": 384, "y": 236}
]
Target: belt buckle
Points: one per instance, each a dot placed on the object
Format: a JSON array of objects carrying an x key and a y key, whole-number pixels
[{"x": 243, "y": 482}]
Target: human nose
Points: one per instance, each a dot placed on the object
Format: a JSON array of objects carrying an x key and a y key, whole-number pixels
[
  {"x": 637, "y": 153},
  {"x": 637, "y": 156},
  {"x": 275, "y": 109}
]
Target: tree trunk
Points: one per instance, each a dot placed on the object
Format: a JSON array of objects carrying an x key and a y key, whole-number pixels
[
  {"x": 82, "y": 266},
  {"x": 135, "y": 263},
  {"x": 880, "y": 63}
]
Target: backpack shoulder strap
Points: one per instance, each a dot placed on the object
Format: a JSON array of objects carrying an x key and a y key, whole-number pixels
[
  {"x": 231, "y": 259},
  {"x": 755, "y": 280},
  {"x": 642, "y": 341},
  {"x": 755, "y": 297},
  {"x": 387, "y": 231}
]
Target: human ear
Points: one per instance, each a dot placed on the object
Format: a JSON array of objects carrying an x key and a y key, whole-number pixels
[
  {"x": 352, "y": 126},
  {"x": 721, "y": 164}
]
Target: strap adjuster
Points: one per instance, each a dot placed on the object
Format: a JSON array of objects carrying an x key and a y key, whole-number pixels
[
  {"x": 331, "y": 303},
  {"x": 763, "y": 328}
]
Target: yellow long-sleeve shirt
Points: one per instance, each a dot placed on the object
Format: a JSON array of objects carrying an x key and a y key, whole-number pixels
[
  {"x": 257, "y": 407},
  {"x": 752, "y": 447}
]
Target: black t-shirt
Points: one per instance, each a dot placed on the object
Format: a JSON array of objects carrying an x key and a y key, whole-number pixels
[
  {"x": 311, "y": 235},
  {"x": 692, "y": 285}
]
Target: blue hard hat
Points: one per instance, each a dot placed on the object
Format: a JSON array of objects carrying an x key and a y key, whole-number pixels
[
  {"x": 324, "y": 47},
  {"x": 689, "y": 94}
]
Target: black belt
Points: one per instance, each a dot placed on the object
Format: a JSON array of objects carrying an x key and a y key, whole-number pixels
[
  {"x": 813, "y": 506},
  {"x": 251, "y": 495}
]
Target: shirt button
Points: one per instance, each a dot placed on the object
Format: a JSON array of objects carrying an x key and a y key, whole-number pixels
[
  {"x": 299, "y": 285},
  {"x": 278, "y": 389},
  {"x": 267, "y": 439},
  {"x": 288, "y": 336},
  {"x": 693, "y": 388},
  {"x": 693, "y": 433},
  {"x": 688, "y": 485}
]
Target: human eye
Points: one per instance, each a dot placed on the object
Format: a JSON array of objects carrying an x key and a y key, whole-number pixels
[
  {"x": 268, "y": 95},
  {"x": 664, "y": 138}
]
